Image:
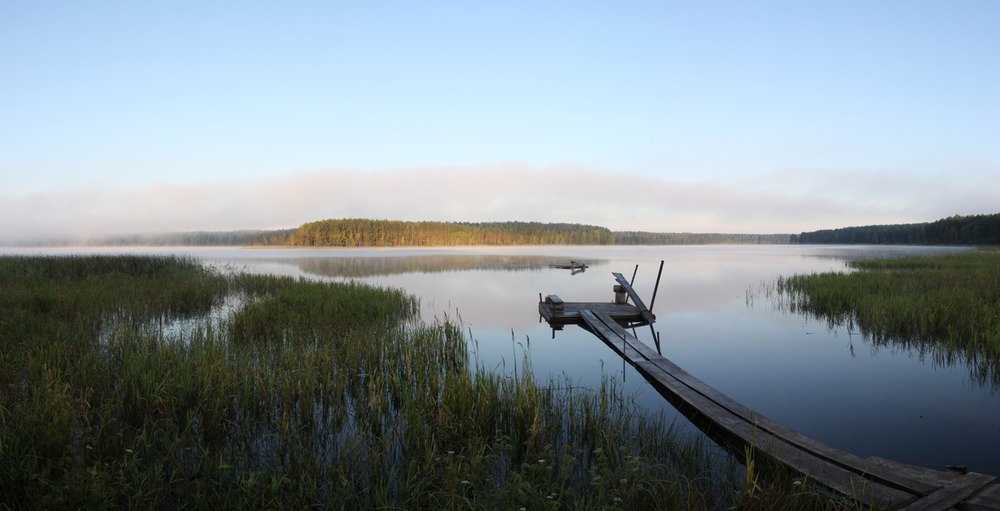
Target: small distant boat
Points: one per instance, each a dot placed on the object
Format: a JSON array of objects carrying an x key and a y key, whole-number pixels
[{"x": 573, "y": 265}]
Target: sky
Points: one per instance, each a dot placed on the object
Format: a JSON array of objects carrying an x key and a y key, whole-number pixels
[{"x": 665, "y": 116}]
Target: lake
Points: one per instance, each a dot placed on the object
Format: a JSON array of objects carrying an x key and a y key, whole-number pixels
[{"x": 826, "y": 382}]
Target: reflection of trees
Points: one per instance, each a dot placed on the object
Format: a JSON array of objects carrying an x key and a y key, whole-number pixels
[
  {"x": 437, "y": 263},
  {"x": 196, "y": 239},
  {"x": 697, "y": 238}
]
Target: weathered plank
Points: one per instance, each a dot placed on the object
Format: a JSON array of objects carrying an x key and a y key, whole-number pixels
[
  {"x": 989, "y": 498},
  {"x": 745, "y": 426},
  {"x": 933, "y": 479},
  {"x": 643, "y": 310},
  {"x": 570, "y": 313},
  {"x": 949, "y": 496},
  {"x": 601, "y": 329},
  {"x": 857, "y": 464},
  {"x": 878, "y": 473},
  {"x": 829, "y": 474}
]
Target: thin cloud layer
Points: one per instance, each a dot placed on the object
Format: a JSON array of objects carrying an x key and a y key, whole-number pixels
[{"x": 783, "y": 202}]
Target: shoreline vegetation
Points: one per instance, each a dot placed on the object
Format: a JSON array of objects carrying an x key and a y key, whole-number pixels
[
  {"x": 359, "y": 232},
  {"x": 944, "y": 306},
  {"x": 955, "y": 230},
  {"x": 154, "y": 382}
]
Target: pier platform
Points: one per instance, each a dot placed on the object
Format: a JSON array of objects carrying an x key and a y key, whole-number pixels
[{"x": 872, "y": 482}]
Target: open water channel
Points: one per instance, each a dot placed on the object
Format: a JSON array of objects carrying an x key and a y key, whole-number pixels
[{"x": 828, "y": 383}]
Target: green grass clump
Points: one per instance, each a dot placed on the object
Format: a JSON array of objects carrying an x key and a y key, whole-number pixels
[
  {"x": 949, "y": 303},
  {"x": 307, "y": 395}
]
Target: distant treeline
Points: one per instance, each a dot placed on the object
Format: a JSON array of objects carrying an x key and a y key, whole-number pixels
[
  {"x": 198, "y": 238},
  {"x": 356, "y": 232},
  {"x": 691, "y": 238},
  {"x": 956, "y": 230}
]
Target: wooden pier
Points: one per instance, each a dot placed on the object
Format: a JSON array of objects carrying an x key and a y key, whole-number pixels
[{"x": 870, "y": 481}]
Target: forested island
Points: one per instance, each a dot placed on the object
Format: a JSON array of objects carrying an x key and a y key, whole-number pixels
[
  {"x": 360, "y": 232},
  {"x": 392, "y": 233},
  {"x": 382, "y": 233},
  {"x": 955, "y": 230}
]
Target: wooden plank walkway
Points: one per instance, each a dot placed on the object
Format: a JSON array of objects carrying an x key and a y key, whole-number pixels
[
  {"x": 871, "y": 481},
  {"x": 570, "y": 313}
]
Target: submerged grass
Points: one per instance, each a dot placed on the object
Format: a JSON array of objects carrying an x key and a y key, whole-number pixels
[
  {"x": 947, "y": 305},
  {"x": 310, "y": 395}
]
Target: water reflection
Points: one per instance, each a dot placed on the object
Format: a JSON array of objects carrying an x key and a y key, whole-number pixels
[
  {"x": 367, "y": 266},
  {"x": 984, "y": 371}
]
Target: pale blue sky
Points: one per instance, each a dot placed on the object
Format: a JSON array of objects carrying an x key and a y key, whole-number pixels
[{"x": 731, "y": 116}]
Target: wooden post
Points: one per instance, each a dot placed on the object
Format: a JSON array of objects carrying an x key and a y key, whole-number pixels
[{"x": 656, "y": 287}]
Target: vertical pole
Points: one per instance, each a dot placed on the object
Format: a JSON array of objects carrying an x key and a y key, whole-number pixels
[
  {"x": 623, "y": 358},
  {"x": 631, "y": 283},
  {"x": 656, "y": 287},
  {"x": 540, "y": 314}
]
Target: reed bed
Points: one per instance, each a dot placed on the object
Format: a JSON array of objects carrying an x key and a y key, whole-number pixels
[
  {"x": 946, "y": 306},
  {"x": 309, "y": 395}
]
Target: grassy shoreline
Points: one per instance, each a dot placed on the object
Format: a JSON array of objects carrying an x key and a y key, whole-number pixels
[
  {"x": 947, "y": 304},
  {"x": 310, "y": 394}
]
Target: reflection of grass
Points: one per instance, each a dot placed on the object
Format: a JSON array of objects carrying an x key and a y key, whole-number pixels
[
  {"x": 947, "y": 303},
  {"x": 313, "y": 394}
]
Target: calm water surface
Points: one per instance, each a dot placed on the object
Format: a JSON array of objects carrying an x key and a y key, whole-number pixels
[{"x": 828, "y": 383}]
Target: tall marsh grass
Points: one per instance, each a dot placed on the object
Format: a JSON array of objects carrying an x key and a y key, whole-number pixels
[
  {"x": 944, "y": 305},
  {"x": 311, "y": 395}
]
